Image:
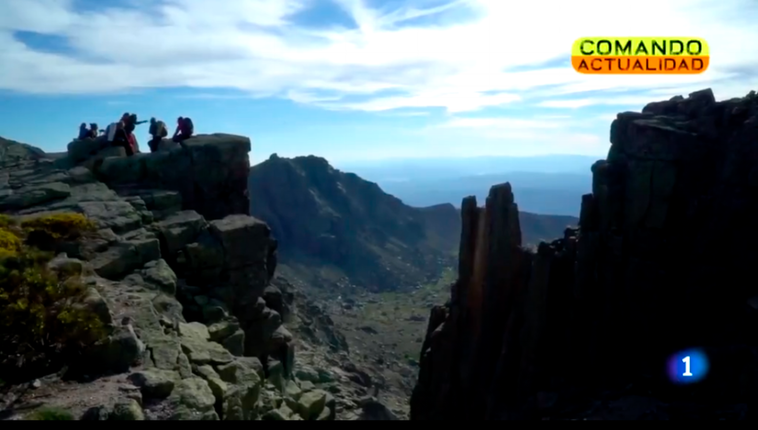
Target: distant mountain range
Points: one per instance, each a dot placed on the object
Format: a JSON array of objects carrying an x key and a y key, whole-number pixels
[
  {"x": 543, "y": 185},
  {"x": 439, "y": 168}
]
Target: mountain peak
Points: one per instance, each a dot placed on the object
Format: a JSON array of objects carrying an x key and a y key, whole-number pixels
[{"x": 325, "y": 216}]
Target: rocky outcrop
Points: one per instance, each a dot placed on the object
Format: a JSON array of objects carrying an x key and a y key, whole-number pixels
[
  {"x": 180, "y": 271},
  {"x": 209, "y": 171},
  {"x": 585, "y": 327}
]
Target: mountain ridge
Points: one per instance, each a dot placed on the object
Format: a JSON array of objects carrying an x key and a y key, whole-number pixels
[{"x": 336, "y": 218}]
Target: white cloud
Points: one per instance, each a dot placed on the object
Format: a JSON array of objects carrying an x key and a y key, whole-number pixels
[
  {"x": 407, "y": 114},
  {"x": 608, "y": 101},
  {"x": 254, "y": 46},
  {"x": 501, "y": 123}
]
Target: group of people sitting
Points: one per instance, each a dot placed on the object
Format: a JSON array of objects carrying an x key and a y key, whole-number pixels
[
  {"x": 121, "y": 133},
  {"x": 89, "y": 133}
]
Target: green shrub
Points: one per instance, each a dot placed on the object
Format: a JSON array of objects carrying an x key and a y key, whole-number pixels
[
  {"x": 49, "y": 230},
  {"x": 61, "y": 226},
  {"x": 39, "y": 313},
  {"x": 51, "y": 414},
  {"x": 10, "y": 242},
  {"x": 6, "y": 221}
]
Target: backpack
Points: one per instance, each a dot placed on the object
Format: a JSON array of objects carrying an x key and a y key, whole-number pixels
[
  {"x": 110, "y": 131},
  {"x": 160, "y": 129},
  {"x": 188, "y": 126}
]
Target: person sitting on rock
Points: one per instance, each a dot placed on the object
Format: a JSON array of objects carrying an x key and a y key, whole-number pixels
[
  {"x": 83, "y": 132},
  {"x": 152, "y": 143},
  {"x": 158, "y": 131},
  {"x": 178, "y": 127},
  {"x": 153, "y": 124},
  {"x": 93, "y": 131},
  {"x": 184, "y": 129}
]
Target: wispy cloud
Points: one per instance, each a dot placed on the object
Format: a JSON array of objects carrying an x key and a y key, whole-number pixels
[
  {"x": 211, "y": 96},
  {"x": 255, "y": 46},
  {"x": 406, "y": 114}
]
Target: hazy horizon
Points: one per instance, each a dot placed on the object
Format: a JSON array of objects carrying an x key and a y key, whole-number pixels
[{"x": 549, "y": 185}]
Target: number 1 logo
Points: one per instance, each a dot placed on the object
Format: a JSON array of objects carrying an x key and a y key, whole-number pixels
[
  {"x": 695, "y": 366},
  {"x": 686, "y": 361}
]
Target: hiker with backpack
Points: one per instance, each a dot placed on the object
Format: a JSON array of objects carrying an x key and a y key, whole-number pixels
[
  {"x": 184, "y": 129},
  {"x": 158, "y": 131}
]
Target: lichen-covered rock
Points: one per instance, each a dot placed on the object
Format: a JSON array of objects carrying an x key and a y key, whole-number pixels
[
  {"x": 235, "y": 343},
  {"x": 193, "y": 399},
  {"x": 33, "y": 195},
  {"x": 128, "y": 410},
  {"x": 155, "y": 383},
  {"x": 244, "y": 387},
  {"x": 311, "y": 404},
  {"x": 117, "y": 353},
  {"x": 283, "y": 414},
  {"x": 179, "y": 230},
  {"x": 158, "y": 273},
  {"x": 117, "y": 261},
  {"x": 240, "y": 402},
  {"x": 218, "y": 386},
  {"x": 196, "y": 343},
  {"x": 241, "y": 370}
]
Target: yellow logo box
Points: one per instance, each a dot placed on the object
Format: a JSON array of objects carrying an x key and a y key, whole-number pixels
[{"x": 640, "y": 55}]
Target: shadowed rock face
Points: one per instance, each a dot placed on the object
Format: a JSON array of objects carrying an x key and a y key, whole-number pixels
[{"x": 660, "y": 263}]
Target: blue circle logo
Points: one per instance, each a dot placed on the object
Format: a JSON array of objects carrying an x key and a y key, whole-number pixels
[{"x": 687, "y": 367}]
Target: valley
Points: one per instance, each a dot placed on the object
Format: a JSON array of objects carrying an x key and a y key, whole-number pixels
[{"x": 374, "y": 265}]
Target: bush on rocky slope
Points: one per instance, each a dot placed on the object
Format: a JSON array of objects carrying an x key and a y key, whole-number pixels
[
  {"x": 45, "y": 232},
  {"x": 51, "y": 414},
  {"x": 39, "y": 308}
]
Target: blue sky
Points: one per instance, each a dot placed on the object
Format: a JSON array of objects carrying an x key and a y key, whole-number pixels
[{"x": 352, "y": 79}]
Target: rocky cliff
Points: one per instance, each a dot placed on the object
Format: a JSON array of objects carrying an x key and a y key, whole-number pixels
[
  {"x": 181, "y": 277},
  {"x": 586, "y": 326}
]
